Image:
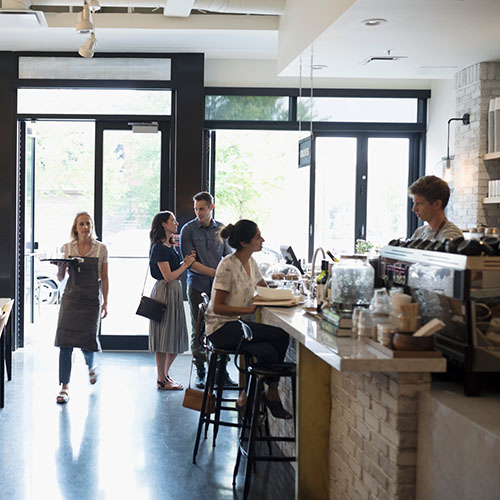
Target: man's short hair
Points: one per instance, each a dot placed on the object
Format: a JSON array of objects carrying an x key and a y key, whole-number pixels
[
  {"x": 432, "y": 188},
  {"x": 204, "y": 196}
]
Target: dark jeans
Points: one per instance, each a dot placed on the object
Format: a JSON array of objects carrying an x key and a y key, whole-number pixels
[
  {"x": 198, "y": 351},
  {"x": 65, "y": 354},
  {"x": 269, "y": 344}
]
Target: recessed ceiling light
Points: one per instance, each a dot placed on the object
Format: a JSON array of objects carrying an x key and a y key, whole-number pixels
[
  {"x": 374, "y": 21},
  {"x": 319, "y": 66}
]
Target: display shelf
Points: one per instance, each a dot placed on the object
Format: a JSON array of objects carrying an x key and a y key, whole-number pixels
[
  {"x": 495, "y": 199},
  {"x": 492, "y": 156}
]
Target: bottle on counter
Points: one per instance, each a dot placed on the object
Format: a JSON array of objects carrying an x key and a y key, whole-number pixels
[
  {"x": 381, "y": 309},
  {"x": 328, "y": 286},
  {"x": 320, "y": 284}
]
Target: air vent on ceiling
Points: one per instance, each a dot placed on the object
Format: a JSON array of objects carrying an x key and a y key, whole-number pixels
[
  {"x": 382, "y": 59},
  {"x": 15, "y": 19}
]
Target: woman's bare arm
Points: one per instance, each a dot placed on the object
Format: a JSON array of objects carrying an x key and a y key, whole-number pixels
[{"x": 220, "y": 306}]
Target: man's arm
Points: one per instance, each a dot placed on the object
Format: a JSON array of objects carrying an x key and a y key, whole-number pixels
[
  {"x": 200, "y": 268},
  {"x": 187, "y": 246}
]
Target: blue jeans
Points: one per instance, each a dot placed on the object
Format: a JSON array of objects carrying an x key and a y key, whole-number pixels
[{"x": 65, "y": 354}]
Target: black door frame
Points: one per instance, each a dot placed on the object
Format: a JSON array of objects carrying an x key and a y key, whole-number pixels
[
  {"x": 167, "y": 189},
  {"x": 414, "y": 172}
]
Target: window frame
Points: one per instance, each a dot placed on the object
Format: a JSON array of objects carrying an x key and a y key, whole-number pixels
[{"x": 415, "y": 132}]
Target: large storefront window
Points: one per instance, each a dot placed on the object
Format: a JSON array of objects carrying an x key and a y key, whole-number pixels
[{"x": 257, "y": 178}]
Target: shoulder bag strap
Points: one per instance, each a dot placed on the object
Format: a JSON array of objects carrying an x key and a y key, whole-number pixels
[{"x": 147, "y": 271}]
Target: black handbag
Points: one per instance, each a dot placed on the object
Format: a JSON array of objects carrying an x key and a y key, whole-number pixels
[
  {"x": 151, "y": 308},
  {"x": 148, "y": 307}
]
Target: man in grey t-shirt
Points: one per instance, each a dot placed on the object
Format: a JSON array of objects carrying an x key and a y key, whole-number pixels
[{"x": 430, "y": 196}]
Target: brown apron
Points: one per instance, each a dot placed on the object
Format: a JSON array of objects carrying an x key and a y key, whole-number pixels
[{"x": 80, "y": 311}]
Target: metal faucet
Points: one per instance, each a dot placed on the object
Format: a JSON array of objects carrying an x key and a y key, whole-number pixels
[{"x": 314, "y": 260}]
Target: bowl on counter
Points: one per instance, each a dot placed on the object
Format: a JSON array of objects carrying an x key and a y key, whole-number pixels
[{"x": 407, "y": 342}]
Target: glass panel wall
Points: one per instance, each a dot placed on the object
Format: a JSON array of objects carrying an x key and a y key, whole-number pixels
[
  {"x": 63, "y": 185},
  {"x": 131, "y": 177},
  {"x": 356, "y": 109},
  {"x": 95, "y": 101},
  {"x": 257, "y": 178},
  {"x": 335, "y": 194},
  {"x": 238, "y": 107},
  {"x": 387, "y": 189}
]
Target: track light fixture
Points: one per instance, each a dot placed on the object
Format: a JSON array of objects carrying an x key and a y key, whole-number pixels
[
  {"x": 94, "y": 5},
  {"x": 87, "y": 49},
  {"x": 84, "y": 24}
]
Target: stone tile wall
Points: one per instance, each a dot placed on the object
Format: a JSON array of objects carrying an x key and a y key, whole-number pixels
[
  {"x": 373, "y": 435},
  {"x": 474, "y": 86}
]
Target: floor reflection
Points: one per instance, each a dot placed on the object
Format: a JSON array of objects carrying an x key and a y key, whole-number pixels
[{"x": 77, "y": 457}]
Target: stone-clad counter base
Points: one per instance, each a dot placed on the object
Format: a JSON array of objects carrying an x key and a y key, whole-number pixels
[
  {"x": 373, "y": 434},
  {"x": 357, "y": 414}
]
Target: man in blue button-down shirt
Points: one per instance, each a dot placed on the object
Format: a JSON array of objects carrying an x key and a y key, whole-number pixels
[{"x": 202, "y": 235}]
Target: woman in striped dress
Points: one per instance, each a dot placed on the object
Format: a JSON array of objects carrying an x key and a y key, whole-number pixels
[{"x": 168, "y": 338}]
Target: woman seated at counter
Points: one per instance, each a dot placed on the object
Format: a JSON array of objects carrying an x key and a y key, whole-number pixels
[{"x": 232, "y": 296}]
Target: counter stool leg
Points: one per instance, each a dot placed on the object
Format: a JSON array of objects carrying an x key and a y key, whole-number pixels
[
  {"x": 244, "y": 425},
  {"x": 252, "y": 436},
  {"x": 220, "y": 388},
  {"x": 204, "y": 417},
  {"x": 210, "y": 384}
]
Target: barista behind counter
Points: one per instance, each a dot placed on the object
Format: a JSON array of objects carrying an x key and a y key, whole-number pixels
[{"x": 430, "y": 196}]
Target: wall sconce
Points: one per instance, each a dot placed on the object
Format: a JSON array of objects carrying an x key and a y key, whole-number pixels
[{"x": 465, "y": 119}]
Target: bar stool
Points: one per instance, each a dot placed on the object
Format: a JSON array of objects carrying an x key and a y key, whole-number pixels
[
  {"x": 257, "y": 373},
  {"x": 217, "y": 357},
  {"x": 5, "y": 344}
]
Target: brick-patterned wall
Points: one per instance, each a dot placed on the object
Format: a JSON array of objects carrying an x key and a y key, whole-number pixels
[
  {"x": 474, "y": 86},
  {"x": 373, "y": 434}
]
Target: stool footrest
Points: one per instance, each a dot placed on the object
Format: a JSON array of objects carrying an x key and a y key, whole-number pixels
[{"x": 272, "y": 458}]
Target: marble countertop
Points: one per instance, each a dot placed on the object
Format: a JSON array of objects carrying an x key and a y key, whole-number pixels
[{"x": 342, "y": 353}]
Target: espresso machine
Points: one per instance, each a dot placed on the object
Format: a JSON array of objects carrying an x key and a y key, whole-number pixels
[{"x": 463, "y": 292}]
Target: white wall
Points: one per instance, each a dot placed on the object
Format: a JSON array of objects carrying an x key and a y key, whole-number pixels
[
  {"x": 264, "y": 73},
  {"x": 303, "y": 22},
  {"x": 441, "y": 108}
]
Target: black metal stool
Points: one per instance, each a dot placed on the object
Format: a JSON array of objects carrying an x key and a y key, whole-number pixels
[
  {"x": 252, "y": 419},
  {"x": 217, "y": 357}
]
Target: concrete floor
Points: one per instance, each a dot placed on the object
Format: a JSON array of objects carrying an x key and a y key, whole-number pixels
[{"x": 120, "y": 439}]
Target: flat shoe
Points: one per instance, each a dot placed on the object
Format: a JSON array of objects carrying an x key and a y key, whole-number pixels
[
  {"x": 93, "y": 375},
  {"x": 62, "y": 397},
  {"x": 176, "y": 386},
  {"x": 276, "y": 408},
  {"x": 168, "y": 385}
]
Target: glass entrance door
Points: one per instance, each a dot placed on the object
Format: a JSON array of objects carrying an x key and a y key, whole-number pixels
[
  {"x": 128, "y": 160},
  {"x": 360, "y": 191},
  {"x": 59, "y": 182}
]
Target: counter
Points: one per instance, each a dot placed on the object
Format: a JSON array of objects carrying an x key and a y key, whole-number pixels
[{"x": 357, "y": 415}]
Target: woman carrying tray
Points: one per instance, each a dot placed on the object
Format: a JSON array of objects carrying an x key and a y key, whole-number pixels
[{"x": 84, "y": 301}]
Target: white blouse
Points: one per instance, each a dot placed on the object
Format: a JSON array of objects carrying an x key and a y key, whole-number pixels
[
  {"x": 231, "y": 277},
  {"x": 97, "y": 249}
]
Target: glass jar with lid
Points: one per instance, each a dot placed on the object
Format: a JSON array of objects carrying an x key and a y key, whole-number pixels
[
  {"x": 282, "y": 275},
  {"x": 352, "y": 281}
]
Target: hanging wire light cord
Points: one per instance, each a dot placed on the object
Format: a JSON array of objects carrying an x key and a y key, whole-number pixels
[{"x": 312, "y": 101}]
